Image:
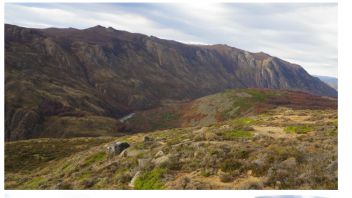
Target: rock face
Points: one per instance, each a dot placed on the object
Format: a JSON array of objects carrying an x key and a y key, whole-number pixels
[{"x": 55, "y": 73}]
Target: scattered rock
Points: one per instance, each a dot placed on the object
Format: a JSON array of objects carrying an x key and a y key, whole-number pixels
[
  {"x": 250, "y": 183},
  {"x": 161, "y": 160},
  {"x": 187, "y": 183},
  {"x": 289, "y": 163},
  {"x": 224, "y": 127},
  {"x": 202, "y": 130},
  {"x": 249, "y": 172},
  {"x": 159, "y": 154},
  {"x": 124, "y": 153},
  {"x": 142, "y": 163},
  {"x": 64, "y": 186},
  {"x": 332, "y": 166},
  {"x": 259, "y": 162},
  {"x": 135, "y": 177}
]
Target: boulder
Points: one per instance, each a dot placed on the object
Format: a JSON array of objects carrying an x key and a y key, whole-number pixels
[{"x": 117, "y": 148}]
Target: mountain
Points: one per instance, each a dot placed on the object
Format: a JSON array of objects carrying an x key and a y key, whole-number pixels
[
  {"x": 331, "y": 81},
  {"x": 79, "y": 82}
]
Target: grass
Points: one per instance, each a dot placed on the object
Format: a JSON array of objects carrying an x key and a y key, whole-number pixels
[
  {"x": 259, "y": 96},
  {"x": 244, "y": 121},
  {"x": 95, "y": 158},
  {"x": 71, "y": 126},
  {"x": 299, "y": 129},
  {"x": 22, "y": 156},
  {"x": 237, "y": 134},
  {"x": 283, "y": 152},
  {"x": 230, "y": 165},
  {"x": 34, "y": 183},
  {"x": 243, "y": 104},
  {"x": 151, "y": 180},
  {"x": 169, "y": 116}
]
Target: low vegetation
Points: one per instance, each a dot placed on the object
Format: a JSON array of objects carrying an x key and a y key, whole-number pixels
[
  {"x": 282, "y": 149},
  {"x": 299, "y": 129},
  {"x": 151, "y": 180}
]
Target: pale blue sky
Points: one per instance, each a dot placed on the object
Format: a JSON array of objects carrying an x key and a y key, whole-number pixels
[{"x": 305, "y": 34}]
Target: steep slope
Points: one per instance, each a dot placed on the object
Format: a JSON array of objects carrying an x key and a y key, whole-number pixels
[{"x": 76, "y": 76}]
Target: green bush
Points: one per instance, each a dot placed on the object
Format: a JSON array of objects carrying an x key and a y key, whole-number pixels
[
  {"x": 230, "y": 165},
  {"x": 299, "y": 129},
  {"x": 151, "y": 180},
  {"x": 237, "y": 134},
  {"x": 95, "y": 158}
]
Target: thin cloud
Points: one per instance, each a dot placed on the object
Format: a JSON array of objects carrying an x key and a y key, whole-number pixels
[{"x": 304, "y": 33}]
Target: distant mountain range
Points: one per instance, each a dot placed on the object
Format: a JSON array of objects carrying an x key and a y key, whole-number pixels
[
  {"x": 331, "y": 81},
  {"x": 92, "y": 77}
]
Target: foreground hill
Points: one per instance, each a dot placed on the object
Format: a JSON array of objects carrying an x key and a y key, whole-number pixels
[
  {"x": 284, "y": 148},
  {"x": 86, "y": 79}
]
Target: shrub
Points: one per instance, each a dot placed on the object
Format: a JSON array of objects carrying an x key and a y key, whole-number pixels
[
  {"x": 230, "y": 165},
  {"x": 151, "y": 180},
  {"x": 237, "y": 134},
  {"x": 226, "y": 178},
  {"x": 95, "y": 158},
  {"x": 299, "y": 129}
]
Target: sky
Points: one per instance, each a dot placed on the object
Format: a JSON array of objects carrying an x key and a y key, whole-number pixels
[{"x": 301, "y": 33}]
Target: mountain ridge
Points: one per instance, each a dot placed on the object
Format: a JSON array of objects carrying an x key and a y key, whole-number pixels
[{"x": 108, "y": 73}]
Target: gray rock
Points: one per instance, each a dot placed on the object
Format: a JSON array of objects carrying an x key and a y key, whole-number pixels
[
  {"x": 332, "y": 166},
  {"x": 142, "y": 163},
  {"x": 124, "y": 153},
  {"x": 135, "y": 177},
  {"x": 117, "y": 148},
  {"x": 161, "y": 160},
  {"x": 159, "y": 154}
]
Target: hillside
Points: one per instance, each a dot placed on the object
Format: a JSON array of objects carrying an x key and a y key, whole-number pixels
[
  {"x": 284, "y": 148},
  {"x": 81, "y": 82},
  {"x": 220, "y": 107}
]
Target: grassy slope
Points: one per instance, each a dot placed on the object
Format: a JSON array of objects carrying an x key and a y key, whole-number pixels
[
  {"x": 222, "y": 106},
  {"x": 242, "y": 153}
]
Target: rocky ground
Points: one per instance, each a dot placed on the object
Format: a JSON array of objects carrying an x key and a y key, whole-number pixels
[{"x": 283, "y": 148}]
